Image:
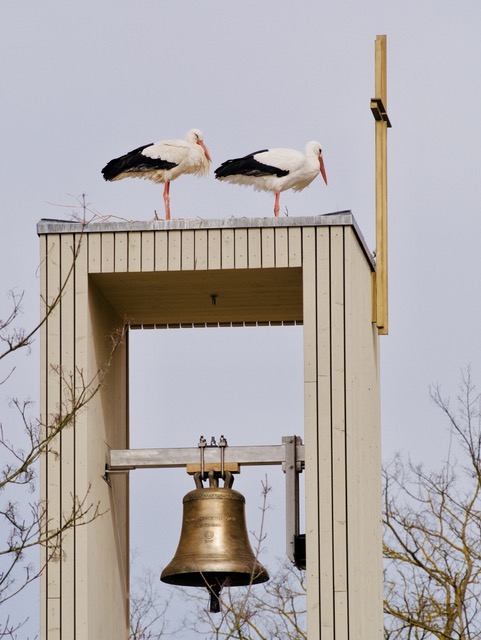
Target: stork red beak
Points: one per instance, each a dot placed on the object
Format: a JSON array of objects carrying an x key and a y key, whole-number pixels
[
  {"x": 206, "y": 151},
  {"x": 323, "y": 171}
]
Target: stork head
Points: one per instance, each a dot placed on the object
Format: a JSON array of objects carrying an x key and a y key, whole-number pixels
[
  {"x": 195, "y": 136},
  {"x": 314, "y": 148}
]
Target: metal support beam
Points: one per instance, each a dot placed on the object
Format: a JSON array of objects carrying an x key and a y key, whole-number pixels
[{"x": 128, "y": 459}]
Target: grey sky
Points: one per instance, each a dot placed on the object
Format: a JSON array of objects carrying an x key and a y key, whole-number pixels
[{"x": 86, "y": 82}]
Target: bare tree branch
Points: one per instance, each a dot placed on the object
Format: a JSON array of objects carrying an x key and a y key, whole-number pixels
[
  {"x": 432, "y": 539},
  {"x": 148, "y": 619}
]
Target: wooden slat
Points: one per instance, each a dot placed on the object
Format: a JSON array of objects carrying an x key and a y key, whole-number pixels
[
  {"x": 53, "y": 400},
  {"x": 68, "y": 488},
  {"x": 227, "y": 249},
  {"x": 324, "y": 427},
  {"x": 309, "y": 280},
  {"x": 281, "y": 247},
  {"x": 148, "y": 251},
  {"x": 240, "y": 249},
  {"x": 354, "y": 298},
  {"x": 268, "y": 248},
  {"x": 214, "y": 249},
  {"x": 108, "y": 252},
  {"x": 254, "y": 248},
  {"x": 161, "y": 250},
  {"x": 200, "y": 248},
  {"x": 95, "y": 252},
  {"x": 43, "y": 418},
  {"x": 135, "y": 251},
  {"x": 82, "y": 476},
  {"x": 295, "y": 247},
  {"x": 54, "y": 619},
  {"x": 341, "y": 615},
  {"x": 121, "y": 252},
  {"x": 188, "y": 250},
  {"x": 338, "y": 382},
  {"x": 310, "y": 433},
  {"x": 175, "y": 250}
]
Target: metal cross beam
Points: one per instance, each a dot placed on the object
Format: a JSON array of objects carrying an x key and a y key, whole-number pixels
[{"x": 129, "y": 459}]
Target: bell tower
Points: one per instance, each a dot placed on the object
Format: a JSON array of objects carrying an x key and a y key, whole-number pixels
[{"x": 313, "y": 271}]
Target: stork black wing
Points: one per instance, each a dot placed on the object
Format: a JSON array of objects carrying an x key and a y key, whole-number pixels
[
  {"x": 248, "y": 166},
  {"x": 134, "y": 161}
]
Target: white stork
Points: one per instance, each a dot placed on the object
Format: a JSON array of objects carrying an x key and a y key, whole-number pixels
[
  {"x": 275, "y": 170},
  {"x": 162, "y": 162}
]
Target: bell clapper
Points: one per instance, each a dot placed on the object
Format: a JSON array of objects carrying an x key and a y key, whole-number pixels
[{"x": 214, "y": 591}]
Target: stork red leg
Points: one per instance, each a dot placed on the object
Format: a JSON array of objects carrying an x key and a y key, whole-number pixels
[
  {"x": 167, "y": 200},
  {"x": 276, "y": 205}
]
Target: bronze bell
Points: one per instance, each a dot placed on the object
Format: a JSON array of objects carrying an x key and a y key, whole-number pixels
[{"x": 214, "y": 549}]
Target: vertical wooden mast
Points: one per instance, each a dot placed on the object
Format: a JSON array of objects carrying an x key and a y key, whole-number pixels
[{"x": 378, "y": 108}]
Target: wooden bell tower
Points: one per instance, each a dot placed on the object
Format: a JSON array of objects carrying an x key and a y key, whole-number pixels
[{"x": 314, "y": 271}]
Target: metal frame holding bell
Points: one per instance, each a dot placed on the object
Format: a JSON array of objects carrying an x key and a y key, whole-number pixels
[{"x": 214, "y": 549}]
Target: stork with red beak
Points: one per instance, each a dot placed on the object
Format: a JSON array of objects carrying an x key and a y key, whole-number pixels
[
  {"x": 275, "y": 170},
  {"x": 162, "y": 162}
]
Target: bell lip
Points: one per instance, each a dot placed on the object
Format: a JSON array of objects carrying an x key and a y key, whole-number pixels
[
  {"x": 216, "y": 578},
  {"x": 240, "y": 570}
]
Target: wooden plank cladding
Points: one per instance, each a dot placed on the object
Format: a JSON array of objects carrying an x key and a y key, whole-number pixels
[
  {"x": 190, "y": 250},
  {"x": 342, "y": 439},
  {"x": 232, "y": 243}
]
